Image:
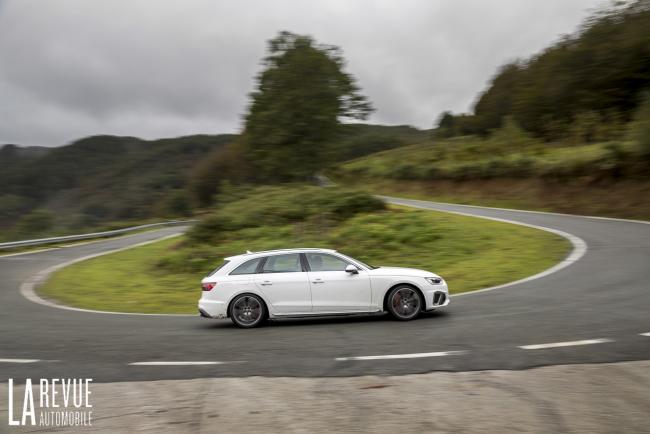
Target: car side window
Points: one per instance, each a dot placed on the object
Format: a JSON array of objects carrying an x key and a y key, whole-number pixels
[
  {"x": 248, "y": 267},
  {"x": 289, "y": 263},
  {"x": 324, "y": 262}
]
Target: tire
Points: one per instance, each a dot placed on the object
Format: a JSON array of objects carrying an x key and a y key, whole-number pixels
[
  {"x": 404, "y": 302},
  {"x": 247, "y": 311}
]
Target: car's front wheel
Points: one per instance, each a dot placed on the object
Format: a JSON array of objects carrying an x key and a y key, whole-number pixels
[
  {"x": 404, "y": 302},
  {"x": 247, "y": 310}
]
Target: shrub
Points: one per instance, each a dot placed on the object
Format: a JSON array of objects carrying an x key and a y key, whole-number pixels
[
  {"x": 277, "y": 206},
  {"x": 639, "y": 129},
  {"x": 36, "y": 222}
]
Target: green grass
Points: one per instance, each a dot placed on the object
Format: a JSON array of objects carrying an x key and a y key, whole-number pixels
[
  {"x": 608, "y": 179},
  {"x": 126, "y": 281},
  {"x": 164, "y": 277},
  {"x": 470, "y": 157},
  {"x": 621, "y": 199}
]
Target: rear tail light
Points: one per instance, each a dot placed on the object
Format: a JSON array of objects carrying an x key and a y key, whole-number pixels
[{"x": 208, "y": 286}]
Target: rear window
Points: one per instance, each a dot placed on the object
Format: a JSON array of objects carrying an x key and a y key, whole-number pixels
[
  {"x": 248, "y": 267},
  {"x": 218, "y": 268}
]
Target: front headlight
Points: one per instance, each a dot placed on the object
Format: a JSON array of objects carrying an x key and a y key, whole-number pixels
[{"x": 434, "y": 280}]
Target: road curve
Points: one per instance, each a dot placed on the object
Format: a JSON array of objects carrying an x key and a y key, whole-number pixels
[{"x": 595, "y": 310}]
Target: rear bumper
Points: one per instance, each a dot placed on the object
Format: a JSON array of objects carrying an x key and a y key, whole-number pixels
[{"x": 212, "y": 309}]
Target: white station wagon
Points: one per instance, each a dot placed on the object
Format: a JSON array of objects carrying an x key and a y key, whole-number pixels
[{"x": 253, "y": 287}]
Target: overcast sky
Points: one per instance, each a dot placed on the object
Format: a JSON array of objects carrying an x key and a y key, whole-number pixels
[{"x": 156, "y": 68}]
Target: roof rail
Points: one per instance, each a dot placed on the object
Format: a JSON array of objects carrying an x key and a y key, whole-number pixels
[{"x": 248, "y": 252}]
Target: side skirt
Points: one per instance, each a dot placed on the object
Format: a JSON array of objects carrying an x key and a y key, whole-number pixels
[{"x": 325, "y": 314}]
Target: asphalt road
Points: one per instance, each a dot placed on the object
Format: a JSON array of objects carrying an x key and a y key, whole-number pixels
[{"x": 602, "y": 299}]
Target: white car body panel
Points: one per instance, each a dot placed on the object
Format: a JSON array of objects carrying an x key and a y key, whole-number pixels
[
  {"x": 288, "y": 293},
  {"x": 298, "y": 294},
  {"x": 339, "y": 291}
]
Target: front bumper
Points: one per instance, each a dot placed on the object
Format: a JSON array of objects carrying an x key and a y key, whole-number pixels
[{"x": 437, "y": 299}]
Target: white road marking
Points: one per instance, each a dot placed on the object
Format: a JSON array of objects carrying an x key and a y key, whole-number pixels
[
  {"x": 28, "y": 252},
  {"x": 644, "y": 222},
  {"x": 579, "y": 245},
  {"x": 19, "y": 360},
  {"x": 27, "y": 289},
  {"x": 174, "y": 363},
  {"x": 645, "y": 334},
  {"x": 402, "y": 356},
  {"x": 579, "y": 250},
  {"x": 565, "y": 344}
]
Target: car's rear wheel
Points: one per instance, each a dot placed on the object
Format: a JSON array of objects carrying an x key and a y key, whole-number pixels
[
  {"x": 404, "y": 302},
  {"x": 247, "y": 310}
]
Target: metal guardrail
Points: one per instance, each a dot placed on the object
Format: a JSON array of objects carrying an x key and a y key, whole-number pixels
[{"x": 104, "y": 234}]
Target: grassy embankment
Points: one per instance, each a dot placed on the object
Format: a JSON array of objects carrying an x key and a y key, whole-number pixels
[
  {"x": 164, "y": 277},
  {"x": 608, "y": 179}
]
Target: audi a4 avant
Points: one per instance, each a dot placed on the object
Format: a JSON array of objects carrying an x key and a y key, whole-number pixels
[{"x": 253, "y": 287}]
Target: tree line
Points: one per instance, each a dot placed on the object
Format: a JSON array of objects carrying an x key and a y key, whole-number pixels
[{"x": 585, "y": 87}]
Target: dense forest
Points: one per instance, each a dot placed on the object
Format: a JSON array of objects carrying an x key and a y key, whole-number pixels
[{"x": 585, "y": 87}]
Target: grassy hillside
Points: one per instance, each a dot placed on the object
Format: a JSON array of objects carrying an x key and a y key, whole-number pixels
[
  {"x": 566, "y": 130},
  {"x": 469, "y": 157},
  {"x": 608, "y": 179},
  {"x": 164, "y": 277}
]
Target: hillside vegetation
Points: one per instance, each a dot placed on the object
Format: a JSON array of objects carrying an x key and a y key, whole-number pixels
[
  {"x": 463, "y": 158},
  {"x": 164, "y": 277},
  {"x": 109, "y": 181},
  {"x": 608, "y": 179},
  {"x": 585, "y": 87},
  {"x": 97, "y": 180},
  {"x": 566, "y": 130}
]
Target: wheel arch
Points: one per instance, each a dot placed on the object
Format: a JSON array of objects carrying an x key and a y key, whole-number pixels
[
  {"x": 395, "y": 285},
  {"x": 261, "y": 297}
]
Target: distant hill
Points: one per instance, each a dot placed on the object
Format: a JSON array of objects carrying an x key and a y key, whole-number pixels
[
  {"x": 101, "y": 178},
  {"x": 9, "y": 151},
  {"x": 357, "y": 140}
]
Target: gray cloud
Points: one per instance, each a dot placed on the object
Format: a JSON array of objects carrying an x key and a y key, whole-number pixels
[{"x": 70, "y": 68}]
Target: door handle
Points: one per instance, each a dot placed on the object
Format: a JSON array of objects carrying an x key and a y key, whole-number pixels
[
  {"x": 317, "y": 281},
  {"x": 266, "y": 283}
]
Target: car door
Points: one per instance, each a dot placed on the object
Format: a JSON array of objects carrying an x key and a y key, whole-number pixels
[
  {"x": 285, "y": 284},
  {"x": 335, "y": 290}
]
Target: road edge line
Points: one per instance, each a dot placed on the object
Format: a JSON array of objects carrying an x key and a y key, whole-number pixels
[
  {"x": 579, "y": 245},
  {"x": 28, "y": 287},
  {"x": 618, "y": 219}
]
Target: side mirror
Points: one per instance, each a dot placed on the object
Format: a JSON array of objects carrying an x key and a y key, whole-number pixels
[{"x": 351, "y": 269}]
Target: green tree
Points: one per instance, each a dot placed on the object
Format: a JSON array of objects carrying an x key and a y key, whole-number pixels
[
  {"x": 446, "y": 125},
  {"x": 36, "y": 222},
  {"x": 301, "y": 97},
  {"x": 583, "y": 87},
  {"x": 510, "y": 137},
  {"x": 496, "y": 102},
  {"x": 639, "y": 128}
]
